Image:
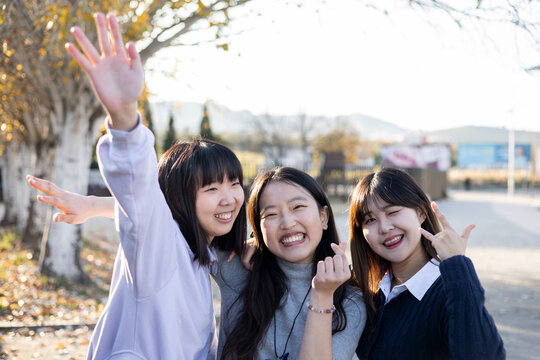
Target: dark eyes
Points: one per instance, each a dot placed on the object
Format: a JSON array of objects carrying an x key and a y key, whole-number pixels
[{"x": 298, "y": 207}]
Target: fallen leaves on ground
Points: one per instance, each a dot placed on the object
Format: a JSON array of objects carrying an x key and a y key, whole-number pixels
[{"x": 35, "y": 309}]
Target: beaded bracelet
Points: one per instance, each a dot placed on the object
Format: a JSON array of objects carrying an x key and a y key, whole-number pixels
[{"x": 321, "y": 311}]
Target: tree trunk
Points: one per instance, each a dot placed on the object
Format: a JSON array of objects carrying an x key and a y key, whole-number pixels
[
  {"x": 61, "y": 243},
  {"x": 21, "y": 208}
]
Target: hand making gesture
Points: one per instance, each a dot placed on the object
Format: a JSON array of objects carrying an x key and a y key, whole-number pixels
[
  {"x": 332, "y": 272},
  {"x": 116, "y": 75},
  {"x": 447, "y": 242}
]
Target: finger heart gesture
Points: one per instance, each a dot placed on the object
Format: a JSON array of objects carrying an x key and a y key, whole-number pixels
[
  {"x": 333, "y": 271},
  {"x": 447, "y": 242}
]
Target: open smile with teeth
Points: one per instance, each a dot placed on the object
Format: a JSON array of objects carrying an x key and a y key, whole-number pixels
[
  {"x": 224, "y": 216},
  {"x": 393, "y": 241},
  {"x": 292, "y": 239}
]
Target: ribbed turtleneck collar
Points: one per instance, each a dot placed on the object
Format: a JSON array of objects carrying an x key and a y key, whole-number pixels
[{"x": 296, "y": 272}]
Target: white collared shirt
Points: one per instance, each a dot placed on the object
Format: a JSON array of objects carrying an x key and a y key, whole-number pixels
[{"x": 417, "y": 285}]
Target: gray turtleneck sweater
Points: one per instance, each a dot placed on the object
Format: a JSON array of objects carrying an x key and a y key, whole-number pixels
[{"x": 231, "y": 278}]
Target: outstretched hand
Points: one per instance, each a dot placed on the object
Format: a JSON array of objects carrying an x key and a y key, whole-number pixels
[
  {"x": 75, "y": 208},
  {"x": 447, "y": 243},
  {"x": 116, "y": 75},
  {"x": 332, "y": 272}
]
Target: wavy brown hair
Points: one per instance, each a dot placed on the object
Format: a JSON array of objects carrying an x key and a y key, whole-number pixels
[
  {"x": 267, "y": 282},
  {"x": 394, "y": 187}
]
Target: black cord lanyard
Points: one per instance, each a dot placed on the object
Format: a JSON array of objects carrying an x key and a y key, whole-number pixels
[{"x": 285, "y": 356}]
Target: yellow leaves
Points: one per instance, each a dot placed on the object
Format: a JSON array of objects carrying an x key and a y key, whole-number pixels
[
  {"x": 19, "y": 67},
  {"x": 224, "y": 47},
  {"x": 42, "y": 52},
  {"x": 203, "y": 9},
  {"x": 4, "y": 303},
  {"x": 60, "y": 346}
]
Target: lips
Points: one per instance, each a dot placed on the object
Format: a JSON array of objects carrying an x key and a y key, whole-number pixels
[
  {"x": 393, "y": 242},
  {"x": 293, "y": 239}
]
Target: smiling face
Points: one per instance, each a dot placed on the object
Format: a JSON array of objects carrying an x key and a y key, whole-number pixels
[
  {"x": 393, "y": 232},
  {"x": 291, "y": 222},
  {"x": 217, "y": 206}
]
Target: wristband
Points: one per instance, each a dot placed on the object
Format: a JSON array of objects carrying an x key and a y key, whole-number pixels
[{"x": 321, "y": 311}]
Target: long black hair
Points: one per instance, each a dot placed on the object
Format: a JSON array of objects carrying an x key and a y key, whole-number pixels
[
  {"x": 183, "y": 169},
  {"x": 394, "y": 187},
  {"x": 267, "y": 282}
]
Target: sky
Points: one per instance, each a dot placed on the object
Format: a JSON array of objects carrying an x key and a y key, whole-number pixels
[{"x": 413, "y": 68}]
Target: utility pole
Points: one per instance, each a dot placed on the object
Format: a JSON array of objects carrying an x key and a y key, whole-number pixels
[{"x": 511, "y": 161}]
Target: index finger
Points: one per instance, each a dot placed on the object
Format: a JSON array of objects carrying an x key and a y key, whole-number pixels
[
  {"x": 442, "y": 219},
  {"x": 117, "y": 42},
  {"x": 42, "y": 185},
  {"x": 338, "y": 250}
]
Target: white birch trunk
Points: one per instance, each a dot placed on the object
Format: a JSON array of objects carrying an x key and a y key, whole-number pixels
[{"x": 61, "y": 244}]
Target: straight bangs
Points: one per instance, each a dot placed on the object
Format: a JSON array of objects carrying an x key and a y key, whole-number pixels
[
  {"x": 217, "y": 162},
  {"x": 393, "y": 187},
  {"x": 182, "y": 170}
]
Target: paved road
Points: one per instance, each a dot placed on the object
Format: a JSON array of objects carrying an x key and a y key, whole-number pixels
[{"x": 505, "y": 248}]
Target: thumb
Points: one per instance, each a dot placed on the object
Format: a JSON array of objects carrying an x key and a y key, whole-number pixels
[
  {"x": 467, "y": 232},
  {"x": 343, "y": 246}
]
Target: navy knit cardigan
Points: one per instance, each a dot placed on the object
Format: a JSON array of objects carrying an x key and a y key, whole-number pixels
[{"x": 450, "y": 322}]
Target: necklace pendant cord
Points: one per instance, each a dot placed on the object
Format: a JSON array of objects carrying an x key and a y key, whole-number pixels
[{"x": 284, "y": 355}]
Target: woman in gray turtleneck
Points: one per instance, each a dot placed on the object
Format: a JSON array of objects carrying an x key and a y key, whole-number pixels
[{"x": 294, "y": 303}]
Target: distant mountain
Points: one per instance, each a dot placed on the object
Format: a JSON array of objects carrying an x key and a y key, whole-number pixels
[
  {"x": 371, "y": 128},
  {"x": 223, "y": 120},
  {"x": 226, "y": 121},
  {"x": 480, "y": 135}
]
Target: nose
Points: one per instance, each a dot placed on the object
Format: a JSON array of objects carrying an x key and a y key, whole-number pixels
[
  {"x": 227, "y": 197},
  {"x": 385, "y": 225},
  {"x": 287, "y": 221}
]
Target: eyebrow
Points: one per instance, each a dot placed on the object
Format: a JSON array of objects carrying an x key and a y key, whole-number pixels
[
  {"x": 384, "y": 208},
  {"x": 296, "y": 198}
]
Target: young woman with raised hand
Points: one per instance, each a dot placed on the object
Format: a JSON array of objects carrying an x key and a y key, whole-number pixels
[
  {"x": 423, "y": 297},
  {"x": 167, "y": 215},
  {"x": 293, "y": 304}
]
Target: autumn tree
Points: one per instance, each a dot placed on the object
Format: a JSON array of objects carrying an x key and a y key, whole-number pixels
[
  {"x": 339, "y": 140},
  {"x": 49, "y": 117},
  {"x": 342, "y": 138}
]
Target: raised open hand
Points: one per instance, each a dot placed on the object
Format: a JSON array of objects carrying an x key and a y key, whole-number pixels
[
  {"x": 447, "y": 242},
  {"x": 116, "y": 75}
]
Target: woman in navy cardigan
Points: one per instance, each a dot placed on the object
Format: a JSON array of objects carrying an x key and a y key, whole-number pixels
[{"x": 423, "y": 297}]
